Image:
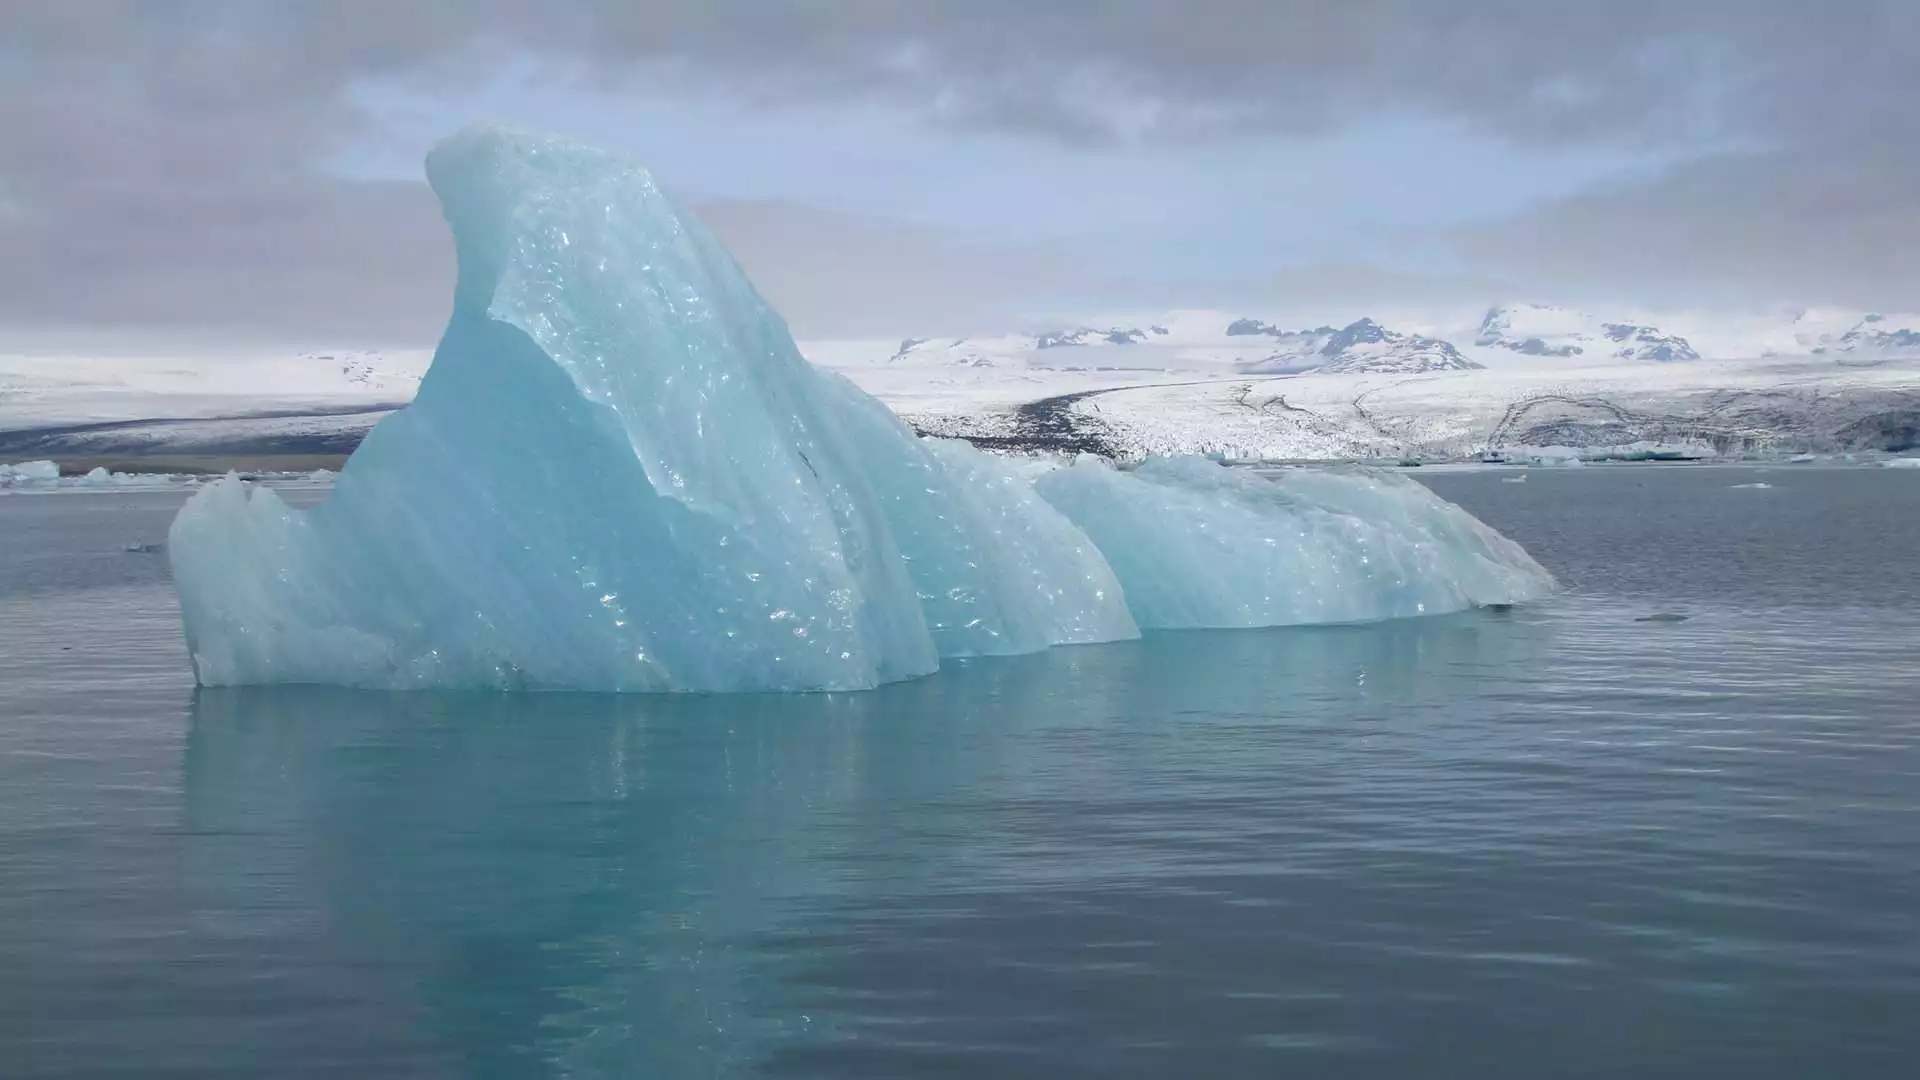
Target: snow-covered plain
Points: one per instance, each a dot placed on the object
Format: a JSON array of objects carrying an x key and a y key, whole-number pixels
[
  {"x": 1717, "y": 406},
  {"x": 75, "y": 403},
  {"x": 1436, "y": 385},
  {"x": 76, "y": 385}
]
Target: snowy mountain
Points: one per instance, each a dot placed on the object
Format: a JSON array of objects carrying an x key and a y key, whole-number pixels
[
  {"x": 1070, "y": 349},
  {"x": 1536, "y": 330},
  {"x": 1869, "y": 337},
  {"x": 1363, "y": 347},
  {"x": 1635, "y": 342},
  {"x": 75, "y": 386},
  {"x": 1533, "y": 330},
  {"x": 1086, "y": 335},
  {"x": 977, "y": 352},
  {"x": 1197, "y": 341},
  {"x": 1816, "y": 329}
]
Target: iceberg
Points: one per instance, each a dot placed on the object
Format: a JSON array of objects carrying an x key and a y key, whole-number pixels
[
  {"x": 620, "y": 474},
  {"x": 30, "y": 474},
  {"x": 101, "y": 476}
]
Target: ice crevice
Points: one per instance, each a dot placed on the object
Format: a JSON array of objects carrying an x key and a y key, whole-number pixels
[{"x": 620, "y": 474}]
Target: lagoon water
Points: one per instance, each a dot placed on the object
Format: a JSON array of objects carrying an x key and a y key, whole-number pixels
[{"x": 1552, "y": 841}]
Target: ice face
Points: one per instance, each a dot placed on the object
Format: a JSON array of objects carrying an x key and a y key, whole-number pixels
[
  {"x": 1198, "y": 545},
  {"x": 619, "y": 474},
  {"x": 1038, "y": 578}
]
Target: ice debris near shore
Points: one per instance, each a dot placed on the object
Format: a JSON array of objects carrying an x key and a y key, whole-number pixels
[
  {"x": 620, "y": 474},
  {"x": 44, "y": 476},
  {"x": 30, "y": 474}
]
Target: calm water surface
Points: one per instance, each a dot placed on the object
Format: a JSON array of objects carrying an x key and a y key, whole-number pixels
[{"x": 1548, "y": 842}]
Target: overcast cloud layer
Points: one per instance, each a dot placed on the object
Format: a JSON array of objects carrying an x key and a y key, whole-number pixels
[{"x": 163, "y": 164}]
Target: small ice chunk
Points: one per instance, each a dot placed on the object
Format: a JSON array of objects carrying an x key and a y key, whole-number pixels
[
  {"x": 101, "y": 476},
  {"x": 1903, "y": 463}
]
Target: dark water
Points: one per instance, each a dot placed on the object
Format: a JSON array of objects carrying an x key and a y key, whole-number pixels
[{"x": 1551, "y": 842}]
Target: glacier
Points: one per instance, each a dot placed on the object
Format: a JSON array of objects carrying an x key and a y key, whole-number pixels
[{"x": 620, "y": 474}]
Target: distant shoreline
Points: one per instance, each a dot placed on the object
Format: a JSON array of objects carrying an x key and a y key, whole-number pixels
[
  {"x": 250, "y": 465},
  {"x": 197, "y": 464}
]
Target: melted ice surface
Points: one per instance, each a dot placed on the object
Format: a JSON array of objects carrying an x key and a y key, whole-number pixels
[{"x": 620, "y": 474}]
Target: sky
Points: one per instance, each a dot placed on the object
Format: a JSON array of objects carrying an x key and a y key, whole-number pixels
[{"x": 225, "y": 168}]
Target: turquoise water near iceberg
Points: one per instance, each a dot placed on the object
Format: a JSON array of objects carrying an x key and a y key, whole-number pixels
[{"x": 1550, "y": 842}]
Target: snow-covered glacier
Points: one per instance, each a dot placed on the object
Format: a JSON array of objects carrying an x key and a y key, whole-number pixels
[{"x": 620, "y": 474}]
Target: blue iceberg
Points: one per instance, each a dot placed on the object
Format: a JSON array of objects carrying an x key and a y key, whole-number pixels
[{"x": 620, "y": 474}]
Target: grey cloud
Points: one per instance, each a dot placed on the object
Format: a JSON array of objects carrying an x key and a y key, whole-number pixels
[
  {"x": 835, "y": 275},
  {"x": 159, "y": 162},
  {"x": 322, "y": 261},
  {"x": 1567, "y": 67},
  {"x": 1742, "y": 230}
]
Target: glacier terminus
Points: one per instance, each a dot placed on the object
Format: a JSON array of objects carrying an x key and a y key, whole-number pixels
[{"x": 620, "y": 474}]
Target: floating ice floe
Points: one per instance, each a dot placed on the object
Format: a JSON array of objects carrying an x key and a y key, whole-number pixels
[
  {"x": 100, "y": 477},
  {"x": 30, "y": 474},
  {"x": 44, "y": 476},
  {"x": 1552, "y": 456},
  {"x": 620, "y": 474}
]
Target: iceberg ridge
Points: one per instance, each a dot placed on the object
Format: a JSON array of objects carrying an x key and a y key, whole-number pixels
[
  {"x": 1195, "y": 544},
  {"x": 620, "y": 474}
]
